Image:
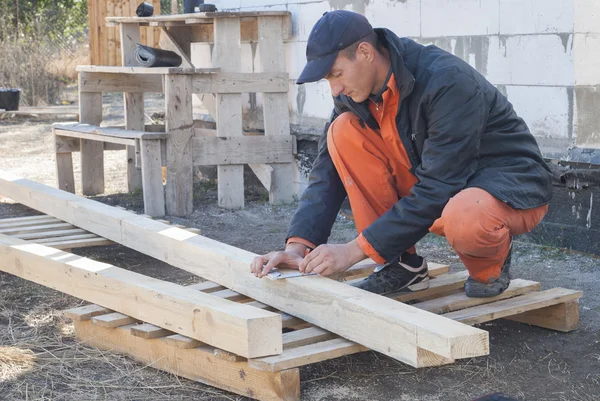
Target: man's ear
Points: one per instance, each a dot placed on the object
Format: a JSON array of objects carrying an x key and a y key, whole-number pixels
[{"x": 366, "y": 51}]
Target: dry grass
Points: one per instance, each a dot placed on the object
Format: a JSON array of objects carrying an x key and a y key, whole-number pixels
[
  {"x": 14, "y": 362},
  {"x": 63, "y": 67}
]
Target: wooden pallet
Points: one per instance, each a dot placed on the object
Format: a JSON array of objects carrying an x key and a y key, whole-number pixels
[{"x": 277, "y": 377}]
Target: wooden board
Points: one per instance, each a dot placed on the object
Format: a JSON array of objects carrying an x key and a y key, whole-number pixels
[
  {"x": 198, "y": 363},
  {"x": 241, "y": 150},
  {"x": 92, "y": 152},
  {"x": 132, "y": 83},
  {"x": 347, "y": 311},
  {"x": 234, "y": 327},
  {"x": 179, "y": 123},
  {"x": 197, "y": 17},
  {"x": 276, "y": 114},
  {"x": 145, "y": 70},
  {"x": 227, "y": 56},
  {"x": 107, "y": 131}
]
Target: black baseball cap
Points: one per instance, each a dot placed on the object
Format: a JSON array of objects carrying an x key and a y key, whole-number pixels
[{"x": 334, "y": 31}]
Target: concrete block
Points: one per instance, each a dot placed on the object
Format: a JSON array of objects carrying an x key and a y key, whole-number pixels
[
  {"x": 586, "y": 52},
  {"x": 531, "y": 60},
  {"x": 587, "y": 16},
  {"x": 310, "y": 101},
  {"x": 402, "y": 17},
  {"x": 295, "y": 58},
  {"x": 587, "y": 117},
  {"x": 545, "y": 109},
  {"x": 305, "y": 16},
  {"x": 535, "y": 16},
  {"x": 459, "y": 17}
]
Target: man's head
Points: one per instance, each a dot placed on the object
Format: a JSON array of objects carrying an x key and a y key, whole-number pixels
[{"x": 343, "y": 48}]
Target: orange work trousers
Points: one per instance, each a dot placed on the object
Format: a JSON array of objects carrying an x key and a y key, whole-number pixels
[{"x": 477, "y": 225}]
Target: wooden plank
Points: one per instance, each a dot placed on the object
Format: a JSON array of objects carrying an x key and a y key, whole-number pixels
[
  {"x": 65, "y": 178},
  {"x": 309, "y": 335},
  {"x": 513, "y": 306},
  {"x": 79, "y": 243},
  {"x": 234, "y": 327},
  {"x": 401, "y": 329},
  {"x": 179, "y": 341},
  {"x": 168, "y": 42},
  {"x": 276, "y": 113},
  {"x": 92, "y": 152},
  {"x": 100, "y": 139},
  {"x": 64, "y": 128},
  {"x": 52, "y": 110},
  {"x": 197, "y": 17},
  {"x": 132, "y": 83},
  {"x": 197, "y": 363},
  {"x": 13, "y": 220},
  {"x": 67, "y": 238},
  {"x": 133, "y": 102},
  {"x": 458, "y": 301},
  {"x": 51, "y": 234},
  {"x": 149, "y": 331},
  {"x": 112, "y": 320},
  {"x": 230, "y": 295},
  {"x": 227, "y": 56},
  {"x": 207, "y": 287},
  {"x": 111, "y": 33},
  {"x": 307, "y": 354},
  {"x": 86, "y": 312},
  {"x": 264, "y": 173},
  {"x": 118, "y": 12},
  {"x": 66, "y": 144},
  {"x": 25, "y": 222},
  {"x": 34, "y": 229},
  {"x": 180, "y": 126},
  {"x": 238, "y": 82},
  {"x": 562, "y": 317},
  {"x": 129, "y": 70},
  {"x": 241, "y": 150},
  {"x": 154, "y": 195}
]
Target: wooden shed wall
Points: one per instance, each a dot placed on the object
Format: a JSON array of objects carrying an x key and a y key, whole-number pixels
[{"x": 105, "y": 45}]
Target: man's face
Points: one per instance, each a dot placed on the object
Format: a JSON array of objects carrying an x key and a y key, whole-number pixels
[{"x": 353, "y": 78}]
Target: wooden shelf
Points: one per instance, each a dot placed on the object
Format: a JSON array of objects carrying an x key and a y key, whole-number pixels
[{"x": 146, "y": 70}]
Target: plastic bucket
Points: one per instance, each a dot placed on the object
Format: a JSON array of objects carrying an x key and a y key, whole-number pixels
[{"x": 9, "y": 98}]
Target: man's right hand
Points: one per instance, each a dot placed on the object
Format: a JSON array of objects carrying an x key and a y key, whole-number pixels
[{"x": 288, "y": 259}]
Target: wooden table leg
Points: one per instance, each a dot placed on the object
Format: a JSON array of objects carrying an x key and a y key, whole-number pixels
[
  {"x": 64, "y": 172},
  {"x": 180, "y": 127},
  {"x": 154, "y": 198},
  {"x": 92, "y": 152}
]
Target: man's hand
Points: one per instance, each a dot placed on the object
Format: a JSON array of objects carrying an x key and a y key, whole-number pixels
[
  {"x": 288, "y": 259},
  {"x": 330, "y": 259}
]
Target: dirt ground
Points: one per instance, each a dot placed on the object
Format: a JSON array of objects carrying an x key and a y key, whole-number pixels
[{"x": 40, "y": 360}]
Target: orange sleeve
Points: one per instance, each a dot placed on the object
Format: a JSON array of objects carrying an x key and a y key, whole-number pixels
[
  {"x": 369, "y": 250},
  {"x": 300, "y": 241}
]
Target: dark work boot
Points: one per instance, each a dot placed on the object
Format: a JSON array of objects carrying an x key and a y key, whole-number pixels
[
  {"x": 476, "y": 289},
  {"x": 407, "y": 275}
]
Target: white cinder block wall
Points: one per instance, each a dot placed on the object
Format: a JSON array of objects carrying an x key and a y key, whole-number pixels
[{"x": 544, "y": 55}]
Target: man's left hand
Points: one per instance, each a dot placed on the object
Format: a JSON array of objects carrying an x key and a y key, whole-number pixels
[{"x": 329, "y": 259}]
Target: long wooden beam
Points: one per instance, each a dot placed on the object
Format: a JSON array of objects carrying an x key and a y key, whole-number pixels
[
  {"x": 390, "y": 327},
  {"x": 238, "y": 328}
]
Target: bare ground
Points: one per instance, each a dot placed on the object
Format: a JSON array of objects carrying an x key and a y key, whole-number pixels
[{"x": 40, "y": 360}]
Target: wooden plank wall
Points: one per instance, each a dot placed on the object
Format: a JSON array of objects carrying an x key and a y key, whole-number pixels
[{"x": 105, "y": 45}]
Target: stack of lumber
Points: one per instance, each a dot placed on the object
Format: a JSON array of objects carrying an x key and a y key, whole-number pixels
[{"x": 403, "y": 332}]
